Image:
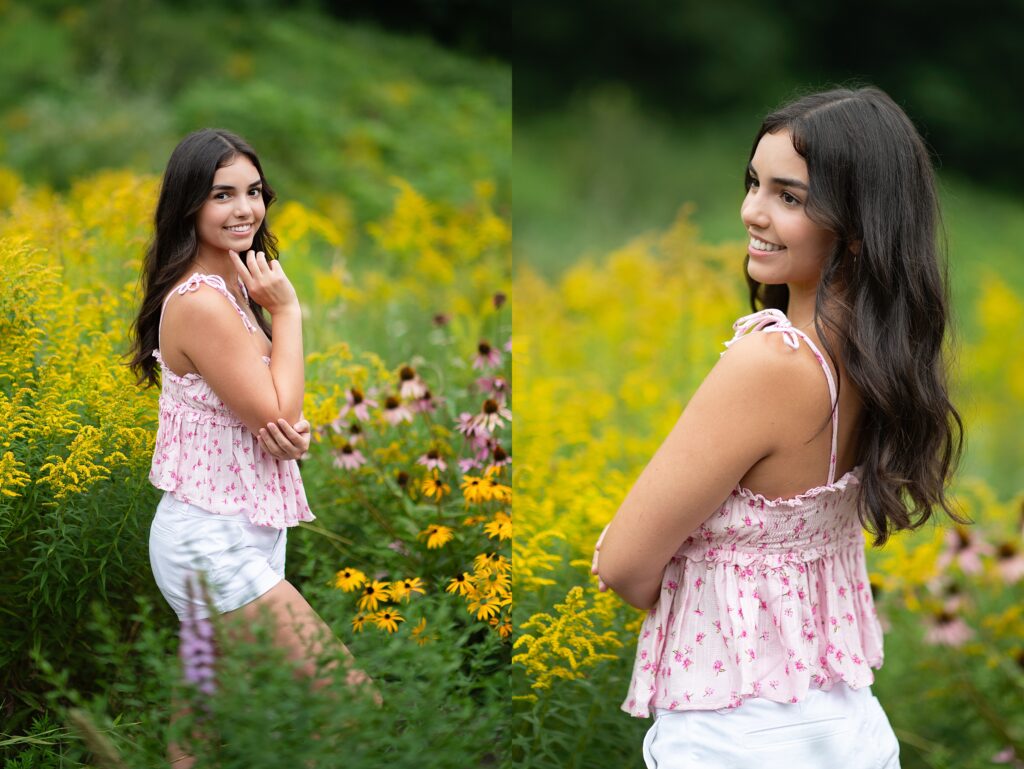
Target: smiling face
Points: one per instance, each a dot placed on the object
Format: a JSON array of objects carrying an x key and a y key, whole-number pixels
[
  {"x": 233, "y": 211},
  {"x": 786, "y": 246}
]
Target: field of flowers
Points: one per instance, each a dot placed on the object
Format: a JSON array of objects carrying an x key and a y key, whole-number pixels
[
  {"x": 606, "y": 356},
  {"x": 409, "y": 475}
]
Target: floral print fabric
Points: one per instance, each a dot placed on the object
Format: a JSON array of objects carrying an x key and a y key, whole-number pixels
[
  {"x": 206, "y": 456},
  {"x": 768, "y": 598}
]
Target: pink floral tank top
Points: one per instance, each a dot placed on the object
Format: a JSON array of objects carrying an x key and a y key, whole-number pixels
[
  {"x": 207, "y": 457},
  {"x": 767, "y": 598}
]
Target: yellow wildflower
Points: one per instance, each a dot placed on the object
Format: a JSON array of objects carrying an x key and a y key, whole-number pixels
[
  {"x": 460, "y": 584},
  {"x": 418, "y": 633},
  {"x": 500, "y": 527},
  {"x": 474, "y": 489},
  {"x": 373, "y": 594},
  {"x": 497, "y": 490},
  {"x": 487, "y": 561},
  {"x": 435, "y": 488},
  {"x": 349, "y": 579},
  {"x": 503, "y": 625},
  {"x": 437, "y": 535},
  {"x": 357, "y": 622},
  {"x": 387, "y": 619}
]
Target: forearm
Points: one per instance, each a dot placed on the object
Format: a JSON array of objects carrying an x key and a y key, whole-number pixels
[{"x": 287, "y": 367}]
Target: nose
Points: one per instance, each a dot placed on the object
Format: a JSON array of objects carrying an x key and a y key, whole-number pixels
[
  {"x": 243, "y": 206},
  {"x": 752, "y": 211}
]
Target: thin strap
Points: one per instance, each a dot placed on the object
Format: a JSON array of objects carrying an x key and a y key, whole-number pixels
[
  {"x": 192, "y": 284},
  {"x": 776, "y": 321}
]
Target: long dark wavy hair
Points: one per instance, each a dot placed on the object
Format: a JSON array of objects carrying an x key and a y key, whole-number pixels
[
  {"x": 882, "y": 296},
  {"x": 185, "y": 187}
]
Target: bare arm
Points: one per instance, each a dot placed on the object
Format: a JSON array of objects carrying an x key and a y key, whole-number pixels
[
  {"x": 221, "y": 350},
  {"x": 733, "y": 420}
]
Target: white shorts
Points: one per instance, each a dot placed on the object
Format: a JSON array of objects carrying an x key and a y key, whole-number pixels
[
  {"x": 240, "y": 561},
  {"x": 842, "y": 727}
]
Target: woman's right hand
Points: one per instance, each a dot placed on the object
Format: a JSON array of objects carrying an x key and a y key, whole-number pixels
[
  {"x": 594, "y": 569},
  {"x": 266, "y": 282}
]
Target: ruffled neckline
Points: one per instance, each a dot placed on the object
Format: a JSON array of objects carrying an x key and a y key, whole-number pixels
[{"x": 851, "y": 477}]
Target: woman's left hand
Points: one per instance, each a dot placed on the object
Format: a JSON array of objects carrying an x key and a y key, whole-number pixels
[{"x": 283, "y": 440}]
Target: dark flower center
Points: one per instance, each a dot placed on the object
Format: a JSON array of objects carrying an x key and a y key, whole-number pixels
[
  {"x": 963, "y": 539},
  {"x": 391, "y": 402},
  {"x": 499, "y": 454},
  {"x": 355, "y": 429},
  {"x": 484, "y": 347},
  {"x": 406, "y": 373},
  {"x": 402, "y": 478},
  {"x": 490, "y": 406},
  {"x": 1006, "y": 551},
  {"x": 433, "y": 454},
  {"x": 346, "y": 449},
  {"x": 357, "y": 396},
  {"x": 944, "y": 618}
]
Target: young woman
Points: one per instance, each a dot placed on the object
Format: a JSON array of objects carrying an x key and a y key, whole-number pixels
[
  {"x": 230, "y": 424},
  {"x": 828, "y": 414}
]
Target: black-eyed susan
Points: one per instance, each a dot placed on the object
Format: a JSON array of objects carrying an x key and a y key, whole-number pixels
[
  {"x": 357, "y": 622},
  {"x": 500, "y": 527},
  {"x": 402, "y": 589},
  {"x": 474, "y": 489},
  {"x": 373, "y": 594},
  {"x": 485, "y": 607},
  {"x": 387, "y": 619},
  {"x": 473, "y": 520},
  {"x": 503, "y": 625},
  {"x": 486, "y": 561},
  {"x": 419, "y": 634},
  {"x": 460, "y": 584},
  {"x": 492, "y": 582},
  {"x": 349, "y": 579},
  {"x": 437, "y": 536},
  {"x": 498, "y": 491},
  {"x": 434, "y": 487}
]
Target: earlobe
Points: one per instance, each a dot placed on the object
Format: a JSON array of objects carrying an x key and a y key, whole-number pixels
[{"x": 855, "y": 247}]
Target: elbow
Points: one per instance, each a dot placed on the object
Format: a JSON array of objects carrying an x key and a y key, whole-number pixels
[{"x": 630, "y": 587}]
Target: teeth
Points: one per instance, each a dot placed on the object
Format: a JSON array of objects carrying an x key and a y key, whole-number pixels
[
  {"x": 239, "y": 228},
  {"x": 762, "y": 245}
]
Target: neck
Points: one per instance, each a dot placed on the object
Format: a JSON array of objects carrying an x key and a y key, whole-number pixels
[
  {"x": 800, "y": 310},
  {"x": 217, "y": 263}
]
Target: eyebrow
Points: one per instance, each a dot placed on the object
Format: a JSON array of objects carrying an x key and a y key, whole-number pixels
[
  {"x": 256, "y": 183},
  {"x": 780, "y": 181}
]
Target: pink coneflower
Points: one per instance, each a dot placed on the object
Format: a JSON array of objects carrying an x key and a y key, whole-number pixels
[
  {"x": 1008, "y": 756},
  {"x": 487, "y": 355},
  {"x": 426, "y": 404},
  {"x": 965, "y": 549},
  {"x": 355, "y": 433},
  {"x": 1010, "y": 562},
  {"x": 467, "y": 424},
  {"x": 358, "y": 404},
  {"x": 395, "y": 411},
  {"x": 500, "y": 456},
  {"x": 411, "y": 386},
  {"x": 493, "y": 387},
  {"x": 948, "y": 591},
  {"x": 441, "y": 319},
  {"x": 469, "y": 463},
  {"x": 945, "y": 629},
  {"x": 491, "y": 415},
  {"x": 432, "y": 459},
  {"x": 348, "y": 458}
]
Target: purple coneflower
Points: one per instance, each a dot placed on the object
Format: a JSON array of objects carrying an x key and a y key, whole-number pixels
[
  {"x": 432, "y": 459},
  {"x": 500, "y": 456},
  {"x": 1010, "y": 562},
  {"x": 411, "y": 386},
  {"x": 441, "y": 319},
  {"x": 487, "y": 355},
  {"x": 426, "y": 404},
  {"x": 491, "y": 415},
  {"x": 395, "y": 412},
  {"x": 467, "y": 464},
  {"x": 467, "y": 424},
  {"x": 358, "y": 404},
  {"x": 945, "y": 629},
  {"x": 493, "y": 387},
  {"x": 499, "y": 299},
  {"x": 348, "y": 458},
  {"x": 965, "y": 549}
]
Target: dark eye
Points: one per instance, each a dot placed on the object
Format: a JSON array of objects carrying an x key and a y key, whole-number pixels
[
  {"x": 789, "y": 199},
  {"x": 752, "y": 182},
  {"x": 256, "y": 191}
]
